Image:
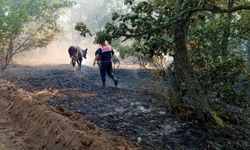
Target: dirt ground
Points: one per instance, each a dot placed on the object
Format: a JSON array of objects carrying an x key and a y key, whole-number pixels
[
  {"x": 51, "y": 107},
  {"x": 123, "y": 110},
  {"x": 28, "y": 123}
]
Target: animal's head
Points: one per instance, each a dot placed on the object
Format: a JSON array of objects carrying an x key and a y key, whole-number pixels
[{"x": 84, "y": 52}]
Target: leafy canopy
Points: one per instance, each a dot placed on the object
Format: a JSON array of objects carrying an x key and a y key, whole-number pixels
[{"x": 25, "y": 24}]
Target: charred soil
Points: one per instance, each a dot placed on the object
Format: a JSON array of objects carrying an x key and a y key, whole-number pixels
[{"x": 51, "y": 107}]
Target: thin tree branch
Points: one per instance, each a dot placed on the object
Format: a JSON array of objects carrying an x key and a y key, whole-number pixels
[
  {"x": 28, "y": 38},
  {"x": 128, "y": 36},
  {"x": 216, "y": 9}
]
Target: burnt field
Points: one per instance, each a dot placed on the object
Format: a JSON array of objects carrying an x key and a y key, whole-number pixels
[{"x": 125, "y": 110}]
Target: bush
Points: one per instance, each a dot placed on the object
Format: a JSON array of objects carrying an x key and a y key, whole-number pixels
[
  {"x": 125, "y": 51},
  {"x": 157, "y": 85},
  {"x": 225, "y": 79}
]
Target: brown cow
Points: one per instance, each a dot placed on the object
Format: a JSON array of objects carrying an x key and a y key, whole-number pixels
[{"x": 76, "y": 54}]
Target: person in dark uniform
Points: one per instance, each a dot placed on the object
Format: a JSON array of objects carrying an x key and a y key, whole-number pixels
[{"x": 104, "y": 59}]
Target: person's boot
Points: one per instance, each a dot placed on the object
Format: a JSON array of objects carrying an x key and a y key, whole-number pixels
[{"x": 103, "y": 84}]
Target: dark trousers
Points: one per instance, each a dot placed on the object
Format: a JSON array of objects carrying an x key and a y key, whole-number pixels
[{"x": 106, "y": 67}]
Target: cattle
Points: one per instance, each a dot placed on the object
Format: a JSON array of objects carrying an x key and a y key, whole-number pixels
[
  {"x": 76, "y": 54},
  {"x": 115, "y": 61},
  {"x": 115, "y": 58}
]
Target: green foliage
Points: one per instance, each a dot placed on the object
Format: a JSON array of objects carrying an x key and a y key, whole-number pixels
[
  {"x": 124, "y": 50},
  {"x": 218, "y": 120},
  {"x": 227, "y": 80},
  {"x": 27, "y": 24},
  {"x": 148, "y": 23},
  {"x": 12, "y": 18},
  {"x": 82, "y": 28},
  {"x": 161, "y": 27},
  {"x": 101, "y": 37},
  {"x": 115, "y": 16}
]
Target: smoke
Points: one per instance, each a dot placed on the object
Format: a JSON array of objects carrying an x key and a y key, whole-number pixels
[
  {"x": 95, "y": 14},
  {"x": 57, "y": 51},
  {"x": 54, "y": 54}
]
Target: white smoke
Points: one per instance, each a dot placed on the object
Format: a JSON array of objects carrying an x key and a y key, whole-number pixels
[{"x": 57, "y": 51}]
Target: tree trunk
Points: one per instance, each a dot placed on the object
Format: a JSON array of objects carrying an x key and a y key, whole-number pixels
[
  {"x": 7, "y": 55},
  {"x": 185, "y": 81},
  {"x": 248, "y": 69},
  {"x": 226, "y": 34}
]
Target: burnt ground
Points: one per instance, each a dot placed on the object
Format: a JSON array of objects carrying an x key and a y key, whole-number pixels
[{"x": 125, "y": 110}]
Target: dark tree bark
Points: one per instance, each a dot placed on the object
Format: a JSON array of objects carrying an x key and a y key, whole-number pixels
[
  {"x": 248, "y": 69},
  {"x": 226, "y": 34},
  {"x": 185, "y": 81}
]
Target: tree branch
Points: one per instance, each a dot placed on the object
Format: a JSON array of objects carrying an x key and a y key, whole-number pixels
[
  {"x": 223, "y": 10},
  {"x": 145, "y": 32},
  {"x": 128, "y": 36},
  {"x": 216, "y": 9},
  {"x": 28, "y": 38}
]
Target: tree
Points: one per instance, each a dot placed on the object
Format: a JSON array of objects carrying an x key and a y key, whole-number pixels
[
  {"x": 216, "y": 73},
  {"x": 27, "y": 24},
  {"x": 227, "y": 28},
  {"x": 163, "y": 26},
  {"x": 248, "y": 69}
]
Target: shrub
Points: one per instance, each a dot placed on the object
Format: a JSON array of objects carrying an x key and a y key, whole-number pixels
[{"x": 225, "y": 79}]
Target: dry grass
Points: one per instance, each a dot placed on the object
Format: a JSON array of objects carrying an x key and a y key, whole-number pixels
[{"x": 164, "y": 94}]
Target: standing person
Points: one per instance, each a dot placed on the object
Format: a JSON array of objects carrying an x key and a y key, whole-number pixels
[{"x": 103, "y": 56}]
